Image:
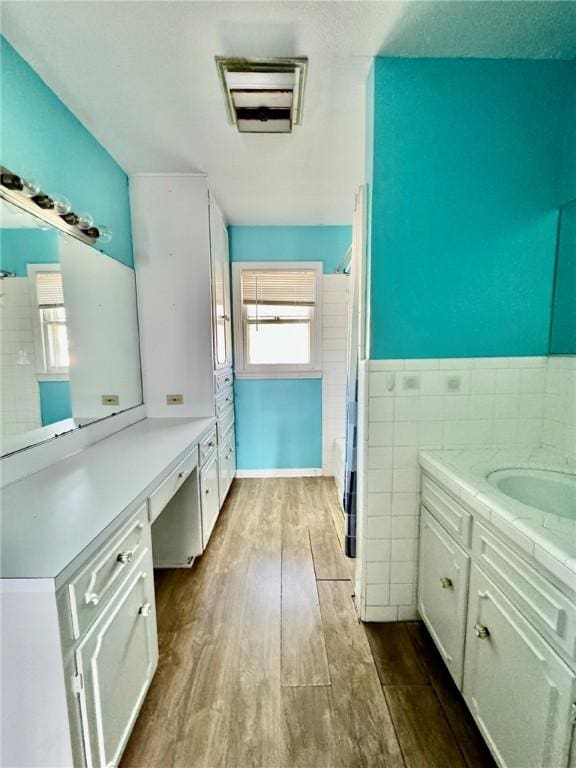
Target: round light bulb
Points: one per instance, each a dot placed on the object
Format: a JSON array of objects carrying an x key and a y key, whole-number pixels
[
  {"x": 62, "y": 205},
  {"x": 30, "y": 188},
  {"x": 85, "y": 220},
  {"x": 105, "y": 234}
]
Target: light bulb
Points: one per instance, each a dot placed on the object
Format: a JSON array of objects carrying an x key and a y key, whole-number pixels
[
  {"x": 62, "y": 205},
  {"x": 85, "y": 221},
  {"x": 105, "y": 234},
  {"x": 31, "y": 188}
]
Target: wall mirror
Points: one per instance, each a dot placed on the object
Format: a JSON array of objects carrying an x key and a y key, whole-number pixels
[
  {"x": 563, "y": 321},
  {"x": 68, "y": 332}
]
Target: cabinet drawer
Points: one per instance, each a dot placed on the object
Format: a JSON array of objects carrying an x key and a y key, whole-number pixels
[
  {"x": 224, "y": 402},
  {"x": 116, "y": 661},
  {"x": 210, "y": 498},
  {"x": 226, "y": 464},
  {"x": 223, "y": 381},
  {"x": 443, "y": 592},
  {"x": 539, "y": 600},
  {"x": 452, "y": 515},
  {"x": 162, "y": 495},
  {"x": 90, "y": 590},
  {"x": 518, "y": 689},
  {"x": 207, "y": 445},
  {"x": 225, "y": 423}
]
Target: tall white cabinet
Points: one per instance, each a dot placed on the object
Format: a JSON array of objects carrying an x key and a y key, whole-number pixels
[{"x": 184, "y": 308}]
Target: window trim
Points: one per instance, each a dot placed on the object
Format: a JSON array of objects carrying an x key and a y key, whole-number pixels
[
  {"x": 43, "y": 373},
  {"x": 243, "y": 370}
]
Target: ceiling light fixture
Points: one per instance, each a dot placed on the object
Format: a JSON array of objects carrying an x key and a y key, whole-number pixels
[{"x": 263, "y": 95}]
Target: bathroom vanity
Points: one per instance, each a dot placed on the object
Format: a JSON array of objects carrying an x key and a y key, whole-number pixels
[
  {"x": 78, "y": 550},
  {"x": 497, "y": 591}
]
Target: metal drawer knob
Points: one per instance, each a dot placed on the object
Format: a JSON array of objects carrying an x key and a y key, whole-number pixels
[
  {"x": 183, "y": 474},
  {"x": 125, "y": 557},
  {"x": 446, "y": 582},
  {"x": 481, "y": 631},
  {"x": 145, "y": 610},
  {"x": 207, "y": 491},
  {"x": 211, "y": 444}
]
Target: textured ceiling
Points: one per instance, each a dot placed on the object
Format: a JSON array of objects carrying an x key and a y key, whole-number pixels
[{"x": 141, "y": 77}]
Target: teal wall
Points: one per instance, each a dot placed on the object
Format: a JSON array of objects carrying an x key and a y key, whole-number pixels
[
  {"x": 55, "y": 401},
  {"x": 327, "y": 244},
  {"x": 42, "y": 139},
  {"x": 279, "y": 421},
  {"x": 20, "y": 247},
  {"x": 468, "y": 174},
  {"x": 563, "y": 330}
]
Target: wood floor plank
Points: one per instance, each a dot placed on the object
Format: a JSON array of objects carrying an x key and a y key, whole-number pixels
[
  {"x": 361, "y": 719},
  {"x": 425, "y": 737},
  {"x": 327, "y": 553},
  {"x": 304, "y": 659},
  {"x": 471, "y": 743},
  {"x": 394, "y": 654},
  {"x": 309, "y": 734}
]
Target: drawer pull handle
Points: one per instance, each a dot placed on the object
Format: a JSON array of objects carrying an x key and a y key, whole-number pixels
[
  {"x": 183, "y": 474},
  {"x": 92, "y": 598},
  {"x": 224, "y": 317},
  {"x": 207, "y": 491},
  {"x": 125, "y": 557},
  {"x": 145, "y": 610},
  {"x": 482, "y": 632},
  {"x": 446, "y": 583},
  {"x": 211, "y": 444}
]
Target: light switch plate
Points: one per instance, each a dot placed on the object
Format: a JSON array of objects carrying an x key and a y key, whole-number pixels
[
  {"x": 174, "y": 399},
  {"x": 110, "y": 400}
]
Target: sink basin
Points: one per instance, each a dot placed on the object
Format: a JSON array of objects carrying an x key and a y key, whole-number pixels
[{"x": 546, "y": 490}]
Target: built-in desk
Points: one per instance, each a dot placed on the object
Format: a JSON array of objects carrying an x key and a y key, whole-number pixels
[{"x": 79, "y": 645}]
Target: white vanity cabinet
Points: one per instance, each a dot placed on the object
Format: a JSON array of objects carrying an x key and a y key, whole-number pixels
[{"x": 506, "y": 632}]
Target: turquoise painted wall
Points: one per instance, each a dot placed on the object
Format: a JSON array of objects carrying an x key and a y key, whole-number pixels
[
  {"x": 468, "y": 174},
  {"x": 563, "y": 330},
  {"x": 327, "y": 244},
  {"x": 20, "y": 247},
  {"x": 279, "y": 421},
  {"x": 42, "y": 139},
  {"x": 55, "y": 401}
]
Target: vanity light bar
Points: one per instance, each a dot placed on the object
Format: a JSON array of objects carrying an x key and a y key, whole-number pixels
[{"x": 55, "y": 211}]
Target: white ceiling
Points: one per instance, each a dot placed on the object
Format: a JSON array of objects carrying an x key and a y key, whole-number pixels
[{"x": 141, "y": 76}]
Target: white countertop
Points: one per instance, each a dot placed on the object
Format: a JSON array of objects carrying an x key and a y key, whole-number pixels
[
  {"x": 50, "y": 517},
  {"x": 549, "y": 539}
]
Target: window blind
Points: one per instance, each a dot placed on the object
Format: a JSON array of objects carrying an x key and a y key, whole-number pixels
[
  {"x": 278, "y": 287},
  {"x": 49, "y": 289}
]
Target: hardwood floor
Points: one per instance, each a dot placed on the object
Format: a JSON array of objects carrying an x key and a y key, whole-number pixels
[{"x": 263, "y": 662}]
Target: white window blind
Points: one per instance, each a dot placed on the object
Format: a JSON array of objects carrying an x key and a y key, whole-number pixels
[
  {"x": 49, "y": 289},
  {"x": 286, "y": 288}
]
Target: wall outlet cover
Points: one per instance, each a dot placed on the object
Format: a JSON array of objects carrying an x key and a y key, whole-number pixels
[
  {"x": 411, "y": 382},
  {"x": 110, "y": 400},
  {"x": 174, "y": 399},
  {"x": 453, "y": 383}
]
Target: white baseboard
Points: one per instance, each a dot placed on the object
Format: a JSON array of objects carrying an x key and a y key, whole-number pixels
[{"x": 313, "y": 472}]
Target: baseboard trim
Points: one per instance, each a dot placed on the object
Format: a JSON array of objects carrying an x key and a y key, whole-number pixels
[{"x": 311, "y": 472}]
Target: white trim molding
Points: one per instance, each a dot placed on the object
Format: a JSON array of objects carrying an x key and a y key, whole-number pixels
[{"x": 309, "y": 472}]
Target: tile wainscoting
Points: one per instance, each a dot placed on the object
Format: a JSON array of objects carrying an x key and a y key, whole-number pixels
[{"x": 450, "y": 404}]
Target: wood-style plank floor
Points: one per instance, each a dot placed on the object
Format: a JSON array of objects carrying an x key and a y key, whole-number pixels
[{"x": 264, "y": 664}]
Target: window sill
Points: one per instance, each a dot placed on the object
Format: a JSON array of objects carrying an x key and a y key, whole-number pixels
[
  {"x": 264, "y": 374},
  {"x": 53, "y": 377}
]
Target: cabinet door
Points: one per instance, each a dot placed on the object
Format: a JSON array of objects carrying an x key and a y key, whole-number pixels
[
  {"x": 220, "y": 288},
  {"x": 443, "y": 591},
  {"x": 210, "y": 499},
  {"x": 519, "y": 691},
  {"x": 116, "y": 662}
]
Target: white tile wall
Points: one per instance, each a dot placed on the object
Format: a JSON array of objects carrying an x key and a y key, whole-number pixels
[
  {"x": 19, "y": 395},
  {"x": 416, "y": 404},
  {"x": 559, "y": 431},
  {"x": 334, "y": 340}
]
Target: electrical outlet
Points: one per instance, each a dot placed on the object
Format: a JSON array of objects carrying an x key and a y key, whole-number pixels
[
  {"x": 110, "y": 400},
  {"x": 174, "y": 399},
  {"x": 410, "y": 382},
  {"x": 453, "y": 383}
]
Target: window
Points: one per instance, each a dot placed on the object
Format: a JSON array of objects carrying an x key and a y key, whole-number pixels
[
  {"x": 49, "y": 316},
  {"x": 276, "y": 314}
]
